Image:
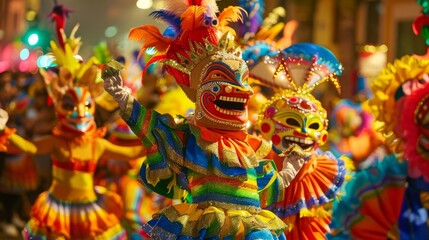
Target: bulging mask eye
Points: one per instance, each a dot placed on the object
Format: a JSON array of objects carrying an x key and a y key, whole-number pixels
[
  {"x": 314, "y": 126},
  {"x": 215, "y": 22},
  {"x": 88, "y": 105},
  {"x": 292, "y": 122},
  {"x": 207, "y": 22},
  {"x": 68, "y": 104},
  {"x": 216, "y": 89}
]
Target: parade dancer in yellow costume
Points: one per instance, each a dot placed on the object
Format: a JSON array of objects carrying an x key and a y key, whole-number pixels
[
  {"x": 208, "y": 159},
  {"x": 72, "y": 208}
]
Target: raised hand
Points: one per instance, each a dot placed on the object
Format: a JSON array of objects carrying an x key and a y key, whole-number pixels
[
  {"x": 113, "y": 83},
  {"x": 4, "y": 117},
  {"x": 295, "y": 150},
  {"x": 293, "y": 161}
]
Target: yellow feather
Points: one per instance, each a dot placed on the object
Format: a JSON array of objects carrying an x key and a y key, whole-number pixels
[
  {"x": 83, "y": 69},
  {"x": 231, "y": 14},
  {"x": 270, "y": 33}
]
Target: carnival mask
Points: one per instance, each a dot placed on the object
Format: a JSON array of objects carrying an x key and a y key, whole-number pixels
[
  {"x": 295, "y": 120},
  {"x": 76, "y": 110},
  {"x": 222, "y": 97},
  {"x": 293, "y": 116}
]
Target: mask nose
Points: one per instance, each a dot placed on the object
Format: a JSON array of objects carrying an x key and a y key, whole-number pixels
[
  {"x": 304, "y": 126},
  {"x": 81, "y": 111},
  {"x": 239, "y": 89}
]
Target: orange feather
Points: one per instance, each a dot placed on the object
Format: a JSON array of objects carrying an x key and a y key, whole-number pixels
[
  {"x": 231, "y": 14},
  {"x": 192, "y": 18},
  {"x": 150, "y": 36}
]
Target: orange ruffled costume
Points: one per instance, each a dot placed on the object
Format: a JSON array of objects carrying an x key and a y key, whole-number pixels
[{"x": 73, "y": 208}]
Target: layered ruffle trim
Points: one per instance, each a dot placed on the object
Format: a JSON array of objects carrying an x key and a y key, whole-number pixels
[
  {"x": 51, "y": 218},
  {"x": 316, "y": 184},
  {"x": 372, "y": 201},
  {"x": 192, "y": 221},
  {"x": 309, "y": 224},
  {"x": 32, "y": 231}
]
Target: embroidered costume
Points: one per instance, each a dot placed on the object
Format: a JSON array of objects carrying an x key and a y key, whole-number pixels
[
  {"x": 294, "y": 117},
  {"x": 208, "y": 159}
]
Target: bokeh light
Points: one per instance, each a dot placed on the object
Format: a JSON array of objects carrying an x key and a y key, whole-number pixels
[
  {"x": 144, "y": 4},
  {"x": 111, "y": 31},
  {"x": 33, "y": 39},
  {"x": 24, "y": 54}
]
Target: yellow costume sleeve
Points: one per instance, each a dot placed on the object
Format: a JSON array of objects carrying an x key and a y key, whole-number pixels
[
  {"x": 125, "y": 153},
  {"x": 12, "y": 142}
]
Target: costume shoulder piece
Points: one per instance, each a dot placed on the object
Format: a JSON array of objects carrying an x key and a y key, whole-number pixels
[{"x": 401, "y": 101}]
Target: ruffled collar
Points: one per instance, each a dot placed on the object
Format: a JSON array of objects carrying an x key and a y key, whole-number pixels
[
  {"x": 230, "y": 147},
  {"x": 78, "y": 137}
]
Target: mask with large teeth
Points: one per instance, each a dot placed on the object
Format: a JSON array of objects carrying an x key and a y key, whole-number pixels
[
  {"x": 293, "y": 118},
  {"x": 223, "y": 94}
]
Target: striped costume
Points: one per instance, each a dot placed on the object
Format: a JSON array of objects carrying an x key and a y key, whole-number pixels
[
  {"x": 73, "y": 208},
  {"x": 218, "y": 173}
]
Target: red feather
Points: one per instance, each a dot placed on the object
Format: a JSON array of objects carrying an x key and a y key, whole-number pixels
[
  {"x": 194, "y": 2},
  {"x": 151, "y": 37},
  {"x": 192, "y": 18}
]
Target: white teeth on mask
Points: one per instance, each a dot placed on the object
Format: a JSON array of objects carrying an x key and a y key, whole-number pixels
[
  {"x": 227, "y": 112},
  {"x": 232, "y": 99},
  {"x": 299, "y": 140}
]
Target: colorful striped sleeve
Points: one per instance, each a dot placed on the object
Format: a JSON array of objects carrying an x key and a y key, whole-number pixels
[
  {"x": 141, "y": 121},
  {"x": 160, "y": 171}
]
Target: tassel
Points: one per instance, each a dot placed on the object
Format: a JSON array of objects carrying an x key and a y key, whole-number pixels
[
  {"x": 305, "y": 213},
  {"x": 322, "y": 213}
]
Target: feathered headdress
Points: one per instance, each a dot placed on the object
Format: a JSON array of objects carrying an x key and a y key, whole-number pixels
[
  {"x": 67, "y": 68},
  {"x": 194, "y": 33},
  {"x": 269, "y": 30},
  {"x": 262, "y": 37},
  {"x": 59, "y": 14},
  {"x": 255, "y": 10}
]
